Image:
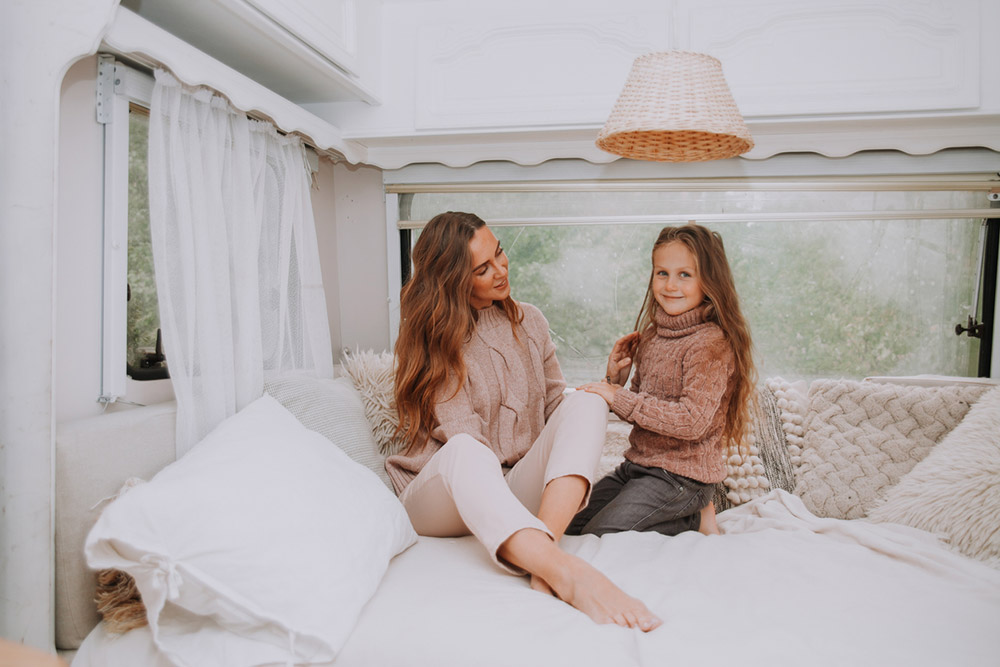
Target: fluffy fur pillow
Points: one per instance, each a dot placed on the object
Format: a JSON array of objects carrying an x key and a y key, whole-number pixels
[
  {"x": 373, "y": 374},
  {"x": 955, "y": 491},
  {"x": 860, "y": 438}
]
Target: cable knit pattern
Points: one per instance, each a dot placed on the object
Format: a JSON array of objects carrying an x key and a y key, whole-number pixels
[
  {"x": 680, "y": 385},
  {"x": 511, "y": 388},
  {"x": 860, "y": 438}
]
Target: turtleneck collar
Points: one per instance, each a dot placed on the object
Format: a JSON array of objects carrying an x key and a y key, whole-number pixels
[
  {"x": 491, "y": 317},
  {"x": 673, "y": 326}
]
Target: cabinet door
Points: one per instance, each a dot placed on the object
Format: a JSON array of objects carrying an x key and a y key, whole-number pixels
[
  {"x": 788, "y": 58},
  {"x": 329, "y": 26}
]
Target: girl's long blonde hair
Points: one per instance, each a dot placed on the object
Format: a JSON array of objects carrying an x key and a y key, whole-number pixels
[
  {"x": 720, "y": 293},
  {"x": 436, "y": 319}
]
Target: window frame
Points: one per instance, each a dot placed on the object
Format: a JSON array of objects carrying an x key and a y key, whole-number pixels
[
  {"x": 118, "y": 87},
  {"x": 909, "y": 175}
]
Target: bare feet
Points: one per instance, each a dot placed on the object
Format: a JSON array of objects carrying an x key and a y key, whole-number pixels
[
  {"x": 591, "y": 592},
  {"x": 574, "y": 581},
  {"x": 538, "y": 584},
  {"x": 708, "y": 525}
]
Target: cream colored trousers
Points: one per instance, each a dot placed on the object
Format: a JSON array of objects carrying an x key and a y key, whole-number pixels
[{"x": 463, "y": 490}]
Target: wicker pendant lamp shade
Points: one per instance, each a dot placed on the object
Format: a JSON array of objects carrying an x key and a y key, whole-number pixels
[{"x": 675, "y": 107}]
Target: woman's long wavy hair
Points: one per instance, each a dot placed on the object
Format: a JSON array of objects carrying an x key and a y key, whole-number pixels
[
  {"x": 436, "y": 318},
  {"x": 720, "y": 294}
]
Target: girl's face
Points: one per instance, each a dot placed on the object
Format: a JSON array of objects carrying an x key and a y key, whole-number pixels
[
  {"x": 676, "y": 284},
  {"x": 489, "y": 269}
]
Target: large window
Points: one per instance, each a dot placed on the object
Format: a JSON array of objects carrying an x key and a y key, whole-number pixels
[{"x": 838, "y": 278}]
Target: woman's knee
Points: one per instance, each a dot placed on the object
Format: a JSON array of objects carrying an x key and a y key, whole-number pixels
[
  {"x": 583, "y": 410},
  {"x": 465, "y": 453},
  {"x": 584, "y": 400}
]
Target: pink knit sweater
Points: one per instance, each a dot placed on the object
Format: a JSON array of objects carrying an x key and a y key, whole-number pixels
[
  {"x": 681, "y": 383},
  {"x": 511, "y": 388}
]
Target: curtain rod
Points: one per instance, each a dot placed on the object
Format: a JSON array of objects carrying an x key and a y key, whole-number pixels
[
  {"x": 852, "y": 184},
  {"x": 940, "y": 214}
]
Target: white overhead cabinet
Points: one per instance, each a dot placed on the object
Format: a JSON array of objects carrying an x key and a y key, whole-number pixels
[
  {"x": 529, "y": 81},
  {"x": 330, "y": 27},
  {"x": 458, "y": 82},
  {"x": 304, "y": 50}
]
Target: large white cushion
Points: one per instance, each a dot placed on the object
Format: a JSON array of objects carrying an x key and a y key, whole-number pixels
[
  {"x": 261, "y": 545},
  {"x": 332, "y": 408}
]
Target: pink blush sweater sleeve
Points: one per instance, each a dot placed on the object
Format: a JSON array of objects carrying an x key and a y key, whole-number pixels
[
  {"x": 677, "y": 403},
  {"x": 512, "y": 386}
]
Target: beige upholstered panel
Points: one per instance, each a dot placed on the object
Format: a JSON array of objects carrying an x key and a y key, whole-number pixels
[{"x": 93, "y": 459}]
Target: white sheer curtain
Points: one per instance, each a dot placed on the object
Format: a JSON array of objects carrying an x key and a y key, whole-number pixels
[{"x": 235, "y": 254}]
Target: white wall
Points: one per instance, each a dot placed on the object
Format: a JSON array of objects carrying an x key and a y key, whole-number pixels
[
  {"x": 77, "y": 354},
  {"x": 361, "y": 261},
  {"x": 55, "y": 37}
]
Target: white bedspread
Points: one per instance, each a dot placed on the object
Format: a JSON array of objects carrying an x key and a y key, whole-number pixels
[{"x": 779, "y": 587}]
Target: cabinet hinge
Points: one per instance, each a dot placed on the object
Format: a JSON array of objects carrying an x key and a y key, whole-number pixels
[{"x": 105, "y": 88}]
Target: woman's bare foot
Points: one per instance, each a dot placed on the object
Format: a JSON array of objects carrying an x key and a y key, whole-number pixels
[
  {"x": 575, "y": 581},
  {"x": 587, "y": 589},
  {"x": 538, "y": 584},
  {"x": 708, "y": 524}
]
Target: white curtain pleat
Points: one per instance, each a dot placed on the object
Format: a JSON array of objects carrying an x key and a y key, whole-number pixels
[{"x": 235, "y": 254}]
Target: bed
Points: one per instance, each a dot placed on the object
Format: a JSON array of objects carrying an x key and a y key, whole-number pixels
[{"x": 791, "y": 580}]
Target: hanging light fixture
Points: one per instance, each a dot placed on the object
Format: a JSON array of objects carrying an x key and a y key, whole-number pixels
[{"x": 675, "y": 107}]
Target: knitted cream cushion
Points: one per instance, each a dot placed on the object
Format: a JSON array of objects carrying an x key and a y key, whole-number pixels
[
  {"x": 859, "y": 438},
  {"x": 955, "y": 491}
]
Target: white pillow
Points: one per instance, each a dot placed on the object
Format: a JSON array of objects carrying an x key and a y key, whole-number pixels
[
  {"x": 332, "y": 408},
  {"x": 261, "y": 545}
]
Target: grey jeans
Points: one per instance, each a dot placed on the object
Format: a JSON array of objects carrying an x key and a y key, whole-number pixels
[{"x": 635, "y": 497}]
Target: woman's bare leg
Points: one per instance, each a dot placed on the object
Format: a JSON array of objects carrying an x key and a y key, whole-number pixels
[
  {"x": 576, "y": 581},
  {"x": 569, "y": 578},
  {"x": 561, "y": 500},
  {"x": 708, "y": 525}
]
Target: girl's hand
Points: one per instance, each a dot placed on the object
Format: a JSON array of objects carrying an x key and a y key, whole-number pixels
[
  {"x": 620, "y": 360},
  {"x": 603, "y": 389}
]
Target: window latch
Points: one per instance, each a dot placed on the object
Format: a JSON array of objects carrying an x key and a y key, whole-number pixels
[{"x": 973, "y": 328}]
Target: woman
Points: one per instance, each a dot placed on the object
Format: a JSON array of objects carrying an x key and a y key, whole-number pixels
[{"x": 493, "y": 448}]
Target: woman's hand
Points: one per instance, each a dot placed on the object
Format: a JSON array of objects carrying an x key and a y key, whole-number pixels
[
  {"x": 620, "y": 360},
  {"x": 603, "y": 389}
]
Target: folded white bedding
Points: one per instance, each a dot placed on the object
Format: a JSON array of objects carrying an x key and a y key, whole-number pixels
[{"x": 779, "y": 587}]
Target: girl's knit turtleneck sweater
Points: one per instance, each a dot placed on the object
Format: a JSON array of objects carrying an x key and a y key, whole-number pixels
[
  {"x": 512, "y": 386},
  {"x": 681, "y": 384}
]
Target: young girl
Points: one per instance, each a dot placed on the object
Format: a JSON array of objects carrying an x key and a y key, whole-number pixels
[{"x": 690, "y": 395}]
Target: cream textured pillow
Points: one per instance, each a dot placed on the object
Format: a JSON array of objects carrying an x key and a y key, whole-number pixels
[
  {"x": 261, "y": 545},
  {"x": 373, "y": 374},
  {"x": 860, "y": 438},
  {"x": 955, "y": 491}
]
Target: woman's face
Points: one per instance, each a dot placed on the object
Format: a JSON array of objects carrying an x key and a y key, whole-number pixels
[
  {"x": 676, "y": 284},
  {"x": 489, "y": 269}
]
